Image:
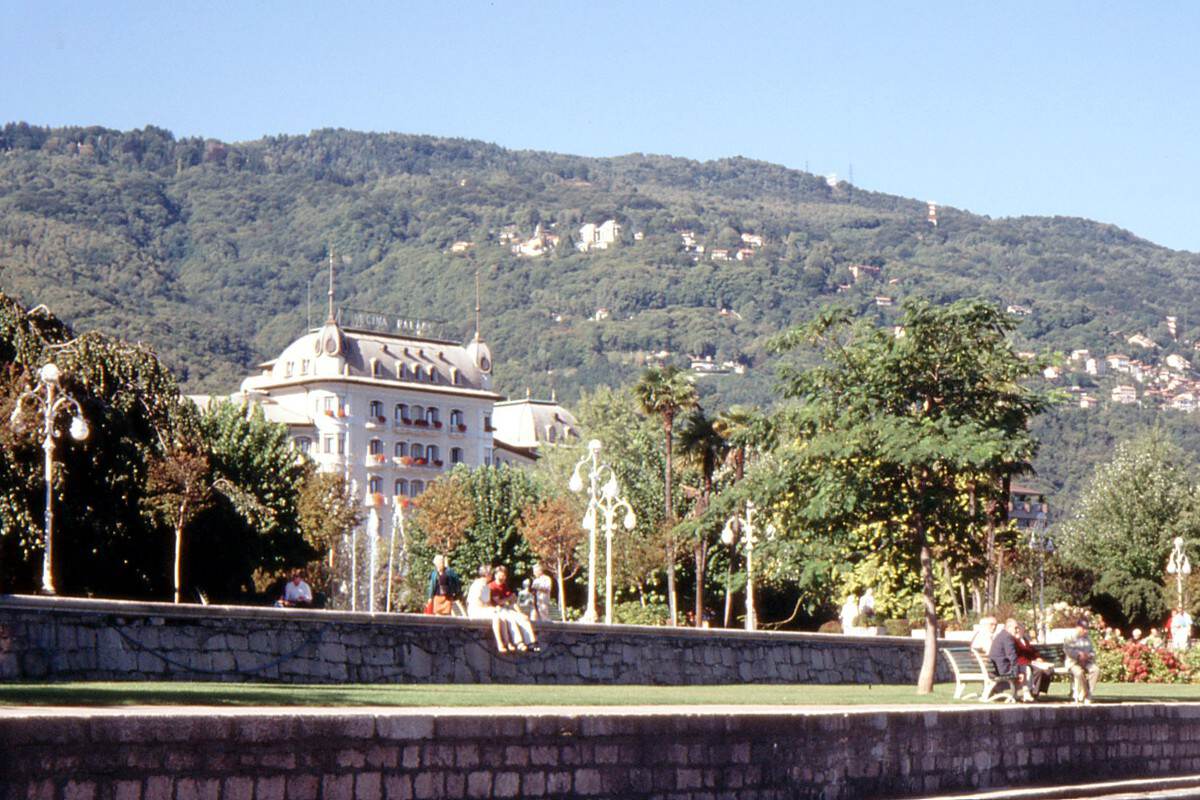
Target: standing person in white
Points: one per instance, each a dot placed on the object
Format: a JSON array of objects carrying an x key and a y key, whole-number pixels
[{"x": 542, "y": 586}]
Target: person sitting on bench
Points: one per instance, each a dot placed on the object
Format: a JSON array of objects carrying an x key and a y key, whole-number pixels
[{"x": 1003, "y": 651}]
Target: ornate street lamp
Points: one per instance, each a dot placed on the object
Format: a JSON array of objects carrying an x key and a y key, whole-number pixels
[
  {"x": 1041, "y": 543},
  {"x": 596, "y": 474},
  {"x": 46, "y": 399},
  {"x": 746, "y": 526},
  {"x": 609, "y": 503},
  {"x": 1179, "y": 566}
]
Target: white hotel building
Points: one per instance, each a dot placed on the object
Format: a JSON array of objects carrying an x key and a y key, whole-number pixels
[{"x": 389, "y": 409}]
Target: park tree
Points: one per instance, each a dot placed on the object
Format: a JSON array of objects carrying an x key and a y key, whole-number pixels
[
  {"x": 704, "y": 448},
  {"x": 178, "y": 489},
  {"x": 664, "y": 392},
  {"x": 327, "y": 513},
  {"x": 1124, "y": 525},
  {"x": 445, "y": 513},
  {"x": 551, "y": 529},
  {"x": 892, "y": 426}
]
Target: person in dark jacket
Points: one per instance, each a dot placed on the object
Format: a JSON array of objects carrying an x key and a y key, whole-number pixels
[
  {"x": 1003, "y": 652},
  {"x": 445, "y": 587}
]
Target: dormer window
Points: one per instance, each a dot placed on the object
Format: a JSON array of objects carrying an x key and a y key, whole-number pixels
[
  {"x": 433, "y": 374},
  {"x": 287, "y": 369},
  {"x": 376, "y": 368},
  {"x": 304, "y": 366},
  {"x": 455, "y": 378},
  {"x": 418, "y": 372},
  {"x": 400, "y": 370}
]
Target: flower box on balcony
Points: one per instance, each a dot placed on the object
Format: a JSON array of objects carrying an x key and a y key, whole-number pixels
[
  {"x": 378, "y": 458},
  {"x": 382, "y": 420},
  {"x": 329, "y": 412},
  {"x": 437, "y": 462},
  {"x": 437, "y": 424},
  {"x": 405, "y": 421},
  {"x": 406, "y": 461},
  {"x": 375, "y": 499},
  {"x": 421, "y": 423},
  {"x": 420, "y": 462},
  {"x": 462, "y": 428},
  {"x": 343, "y": 413}
]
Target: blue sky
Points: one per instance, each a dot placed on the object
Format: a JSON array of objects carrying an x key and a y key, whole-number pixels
[{"x": 1080, "y": 109}]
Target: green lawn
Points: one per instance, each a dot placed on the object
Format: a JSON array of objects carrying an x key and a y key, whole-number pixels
[{"x": 258, "y": 694}]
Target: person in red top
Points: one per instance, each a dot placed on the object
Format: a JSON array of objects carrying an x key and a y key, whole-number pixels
[
  {"x": 1036, "y": 673},
  {"x": 505, "y": 601}
]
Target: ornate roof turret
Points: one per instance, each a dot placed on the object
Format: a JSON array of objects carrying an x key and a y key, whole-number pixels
[{"x": 330, "y": 342}]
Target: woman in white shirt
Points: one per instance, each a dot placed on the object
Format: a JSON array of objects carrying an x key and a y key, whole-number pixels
[{"x": 479, "y": 606}]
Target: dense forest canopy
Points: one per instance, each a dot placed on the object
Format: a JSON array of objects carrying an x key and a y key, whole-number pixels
[{"x": 210, "y": 252}]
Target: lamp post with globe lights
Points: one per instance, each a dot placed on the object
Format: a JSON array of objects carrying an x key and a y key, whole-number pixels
[
  {"x": 45, "y": 398},
  {"x": 1041, "y": 543},
  {"x": 609, "y": 503},
  {"x": 746, "y": 526},
  {"x": 1179, "y": 566},
  {"x": 596, "y": 475}
]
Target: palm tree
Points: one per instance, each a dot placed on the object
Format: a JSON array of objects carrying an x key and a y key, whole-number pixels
[
  {"x": 741, "y": 429},
  {"x": 664, "y": 392},
  {"x": 700, "y": 443}
]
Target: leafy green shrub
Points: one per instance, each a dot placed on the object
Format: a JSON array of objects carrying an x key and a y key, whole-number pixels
[
  {"x": 634, "y": 613},
  {"x": 897, "y": 627}
]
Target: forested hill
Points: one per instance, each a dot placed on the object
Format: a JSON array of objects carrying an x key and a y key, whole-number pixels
[{"x": 206, "y": 250}]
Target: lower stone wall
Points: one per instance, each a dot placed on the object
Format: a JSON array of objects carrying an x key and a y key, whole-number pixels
[
  {"x": 496, "y": 753},
  {"x": 63, "y": 639}
]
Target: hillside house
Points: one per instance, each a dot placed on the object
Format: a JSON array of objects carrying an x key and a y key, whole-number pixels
[
  {"x": 863, "y": 271},
  {"x": 599, "y": 237},
  {"x": 1142, "y": 341},
  {"x": 752, "y": 240},
  {"x": 1185, "y": 402},
  {"x": 540, "y": 244},
  {"x": 461, "y": 247},
  {"x": 883, "y": 300},
  {"x": 1124, "y": 395},
  {"x": 1019, "y": 311},
  {"x": 1079, "y": 356},
  {"x": 1052, "y": 373},
  {"x": 1178, "y": 363},
  {"x": 1117, "y": 362},
  {"x": 719, "y": 254},
  {"x": 744, "y": 254},
  {"x": 1088, "y": 401},
  {"x": 1095, "y": 366},
  {"x": 601, "y": 314}
]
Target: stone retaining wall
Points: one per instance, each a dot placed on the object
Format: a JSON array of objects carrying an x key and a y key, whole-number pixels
[
  {"x": 489, "y": 753},
  {"x": 74, "y": 639}
]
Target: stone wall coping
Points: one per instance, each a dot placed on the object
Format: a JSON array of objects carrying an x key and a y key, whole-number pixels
[
  {"x": 925, "y": 713},
  {"x": 136, "y": 608}
]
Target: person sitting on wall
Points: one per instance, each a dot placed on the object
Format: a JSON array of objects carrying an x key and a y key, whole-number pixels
[
  {"x": 479, "y": 606},
  {"x": 1081, "y": 660},
  {"x": 445, "y": 587},
  {"x": 520, "y": 629},
  {"x": 296, "y": 593},
  {"x": 981, "y": 642}
]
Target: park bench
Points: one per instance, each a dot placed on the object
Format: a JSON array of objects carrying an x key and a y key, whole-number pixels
[
  {"x": 966, "y": 669},
  {"x": 970, "y": 667}
]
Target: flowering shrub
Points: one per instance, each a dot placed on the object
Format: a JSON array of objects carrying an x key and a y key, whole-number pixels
[{"x": 1123, "y": 661}]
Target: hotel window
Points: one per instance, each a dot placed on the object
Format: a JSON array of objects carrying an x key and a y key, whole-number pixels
[
  {"x": 417, "y": 488},
  {"x": 418, "y": 412},
  {"x": 341, "y": 444},
  {"x": 375, "y": 447},
  {"x": 431, "y": 414},
  {"x": 376, "y": 409},
  {"x": 304, "y": 366},
  {"x": 433, "y": 374},
  {"x": 401, "y": 412},
  {"x": 376, "y": 369},
  {"x": 287, "y": 372},
  {"x": 487, "y": 422},
  {"x": 304, "y": 444},
  {"x": 456, "y": 418},
  {"x": 455, "y": 378},
  {"x": 417, "y": 450},
  {"x": 375, "y": 484},
  {"x": 327, "y": 444},
  {"x": 456, "y": 455},
  {"x": 401, "y": 449},
  {"x": 433, "y": 453},
  {"x": 401, "y": 487},
  {"x": 418, "y": 372}
]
